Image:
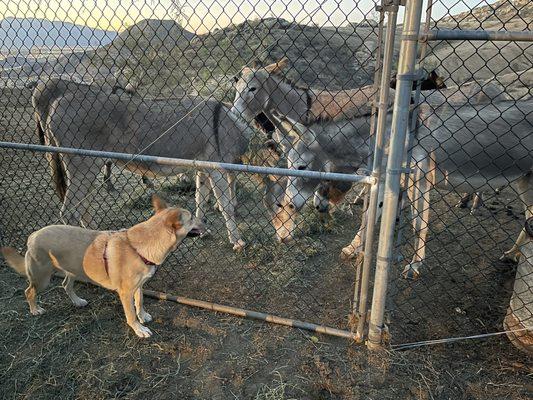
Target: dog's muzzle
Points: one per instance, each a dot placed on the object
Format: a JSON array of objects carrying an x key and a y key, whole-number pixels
[{"x": 197, "y": 230}]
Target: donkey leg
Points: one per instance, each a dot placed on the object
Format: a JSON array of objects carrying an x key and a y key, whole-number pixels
[
  {"x": 107, "y": 177},
  {"x": 465, "y": 198},
  {"x": 147, "y": 182},
  {"x": 477, "y": 203},
  {"x": 221, "y": 188},
  {"x": 356, "y": 245},
  {"x": 233, "y": 190},
  {"x": 359, "y": 199},
  {"x": 202, "y": 194},
  {"x": 419, "y": 187},
  {"x": 524, "y": 188},
  {"x": 81, "y": 175}
]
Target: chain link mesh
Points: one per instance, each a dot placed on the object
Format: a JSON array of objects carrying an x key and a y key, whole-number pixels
[{"x": 167, "y": 79}]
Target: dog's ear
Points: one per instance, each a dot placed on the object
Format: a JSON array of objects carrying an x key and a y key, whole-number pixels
[
  {"x": 173, "y": 219},
  {"x": 158, "y": 203}
]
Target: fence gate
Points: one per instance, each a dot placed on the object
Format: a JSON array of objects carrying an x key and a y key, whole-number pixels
[{"x": 474, "y": 137}]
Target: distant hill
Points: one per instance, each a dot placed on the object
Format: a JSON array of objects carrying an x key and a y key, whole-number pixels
[
  {"x": 150, "y": 32},
  {"x": 21, "y": 34}
]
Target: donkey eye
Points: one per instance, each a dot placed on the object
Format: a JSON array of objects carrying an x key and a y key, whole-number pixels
[
  {"x": 302, "y": 167},
  {"x": 278, "y": 205},
  {"x": 252, "y": 89}
]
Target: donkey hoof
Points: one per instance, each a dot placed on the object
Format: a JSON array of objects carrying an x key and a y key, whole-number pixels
[
  {"x": 349, "y": 253},
  {"x": 411, "y": 272},
  {"x": 239, "y": 245},
  {"x": 511, "y": 257}
]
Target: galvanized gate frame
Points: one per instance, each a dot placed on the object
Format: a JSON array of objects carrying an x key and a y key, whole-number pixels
[{"x": 407, "y": 73}]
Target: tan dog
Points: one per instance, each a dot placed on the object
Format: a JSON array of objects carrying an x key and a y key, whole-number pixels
[{"x": 121, "y": 261}]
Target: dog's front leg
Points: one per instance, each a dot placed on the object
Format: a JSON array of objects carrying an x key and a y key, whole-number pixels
[
  {"x": 126, "y": 297},
  {"x": 143, "y": 316}
]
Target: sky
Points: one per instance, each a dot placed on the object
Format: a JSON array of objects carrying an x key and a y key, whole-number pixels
[{"x": 205, "y": 15}]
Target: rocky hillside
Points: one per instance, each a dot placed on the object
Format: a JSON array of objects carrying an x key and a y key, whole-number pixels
[
  {"x": 514, "y": 15},
  {"x": 333, "y": 57},
  {"x": 460, "y": 61}
]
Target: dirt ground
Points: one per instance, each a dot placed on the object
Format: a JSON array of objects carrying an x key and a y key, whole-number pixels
[{"x": 197, "y": 354}]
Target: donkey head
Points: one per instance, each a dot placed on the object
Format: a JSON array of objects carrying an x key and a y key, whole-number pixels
[
  {"x": 253, "y": 89},
  {"x": 303, "y": 154}
]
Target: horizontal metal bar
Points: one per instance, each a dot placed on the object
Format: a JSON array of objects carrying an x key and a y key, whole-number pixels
[
  {"x": 460, "y": 34},
  {"x": 240, "y": 312},
  {"x": 179, "y": 162}
]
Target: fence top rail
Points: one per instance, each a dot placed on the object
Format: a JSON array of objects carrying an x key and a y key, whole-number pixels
[
  {"x": 179, "y": 162},
  {"x": 460, "y": 34}
]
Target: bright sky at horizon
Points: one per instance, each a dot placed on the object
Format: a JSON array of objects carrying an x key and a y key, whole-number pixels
[{"x": 205, "y": 15}]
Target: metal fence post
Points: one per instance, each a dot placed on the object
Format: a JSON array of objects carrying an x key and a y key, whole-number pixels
[
  {"x": 392, "y": 14},
  {"x": 400, "y": 123}
]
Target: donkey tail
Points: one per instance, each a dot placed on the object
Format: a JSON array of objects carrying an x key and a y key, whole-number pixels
[
  {"x": 59, "y": 174},
  {"x": 14, "y": 260}
]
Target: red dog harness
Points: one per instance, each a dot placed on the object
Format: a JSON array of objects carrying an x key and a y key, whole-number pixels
[{"x": 106, "y": 260}]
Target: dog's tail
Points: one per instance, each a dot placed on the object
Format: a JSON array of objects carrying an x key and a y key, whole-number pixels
[{"x": 14, "y": 260}]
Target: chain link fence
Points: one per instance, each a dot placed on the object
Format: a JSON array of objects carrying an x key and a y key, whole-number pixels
[{"x": 252, "y": 87}]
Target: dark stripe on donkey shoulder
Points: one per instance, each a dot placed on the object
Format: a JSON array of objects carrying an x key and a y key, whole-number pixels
[{"x": 216, "y": 126}]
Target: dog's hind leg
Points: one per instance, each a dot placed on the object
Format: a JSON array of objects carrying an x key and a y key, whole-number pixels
[
  {"x": 143, "y": 316},
  {"x": 221, "y": 188},
  {"x": 39, "y": 275},
  {"x": 68, "y": 285}
]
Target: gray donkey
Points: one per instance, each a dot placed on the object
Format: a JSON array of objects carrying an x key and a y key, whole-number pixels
[
  {"x": 73, "y": 115},
  {"x": 469, "y": 148}
]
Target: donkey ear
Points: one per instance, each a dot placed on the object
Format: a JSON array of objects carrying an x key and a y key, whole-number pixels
[
  {"x": 277, "y": 67},
  {"x": 158, "y": 203},
  {"x": 246, "y": 71}
]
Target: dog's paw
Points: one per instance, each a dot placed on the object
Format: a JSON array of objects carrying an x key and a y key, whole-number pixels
[
  {"x": 144, "y": 317},
  {"x": 37, "y": 310},
  {"x": 79, "y": 302},
  {"x": 239, "y": 245},
  {"x": 142, "y": 331}
]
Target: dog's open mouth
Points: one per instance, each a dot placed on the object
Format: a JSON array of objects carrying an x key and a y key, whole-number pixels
[{"x": 195, "y": 232}]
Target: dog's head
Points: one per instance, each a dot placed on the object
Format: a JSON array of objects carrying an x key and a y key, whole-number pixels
[{"x": 176, "y": 220}]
